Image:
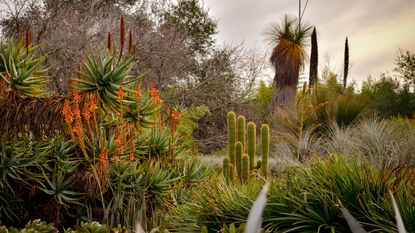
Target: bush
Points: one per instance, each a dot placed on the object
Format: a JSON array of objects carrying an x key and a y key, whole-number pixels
[{"x": 387, "y": 98}]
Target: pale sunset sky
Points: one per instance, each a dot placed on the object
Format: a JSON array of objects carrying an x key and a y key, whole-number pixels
[{"x": 376, "y": 29}]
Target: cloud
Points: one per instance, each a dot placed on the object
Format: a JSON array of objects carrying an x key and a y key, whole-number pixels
[{"x": 376, "y": 29}]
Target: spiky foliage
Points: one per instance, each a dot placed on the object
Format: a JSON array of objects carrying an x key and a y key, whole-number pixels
[
  {"x": 289, "y": 41},
  {"x": 192, "y": 172},
  {"x": 305, "y": 199},
  {"x": 245, "y": 168},
  {"x": 21, "y": 69},
  {"x": 104, "y": 75},
  {"x": 251, "y": 144},
  {"x": 231, "y": 136},
  {"x": 211, "y": 205},
  {"x": 346, "y": 63},
  {"x": 22, "y": 88},
  {"x": 241, "y": 131},
  {"x": 313, "y": 60},
  {"x": 157, "y": 143},
  {"x": 144, "y": 188},
  {"x": 238, "y": 159},
  {"x": 265, "y": 138}
]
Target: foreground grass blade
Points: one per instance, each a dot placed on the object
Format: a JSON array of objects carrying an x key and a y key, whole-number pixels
[
  {"x": 354, "y": 225},
  {"x": 253, "y": 224},
  {"x": 399, "y": 222}
]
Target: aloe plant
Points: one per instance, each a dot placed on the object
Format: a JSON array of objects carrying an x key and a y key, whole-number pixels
[
  {"x": 21, "y": 69},
  {"x": 104, "y": 75},
  {"x": 59, "y": 187}
]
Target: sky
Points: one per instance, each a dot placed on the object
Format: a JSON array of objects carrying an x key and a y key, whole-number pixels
[{"x": 376, "y": 29}]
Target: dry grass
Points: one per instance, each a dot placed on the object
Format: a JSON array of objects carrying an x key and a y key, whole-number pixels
[{"x": 38, "y": 115}]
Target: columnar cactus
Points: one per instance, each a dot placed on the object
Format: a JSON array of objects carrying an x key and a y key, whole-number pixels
[
  {"x": 258, "y": 164},
  {"x": 241, "y": 130},
  {"x": 238, "y": 161},
  {"x": 226, "y": 169},
  {"x": 251, "y": 145},
  {"x": 245, "y": 168},
  {"x": 231, "y": 169},
  {"x": 231, "y": 136},
  {"x": 242, "y": 149},
  {"x": 265, "y": 149}
]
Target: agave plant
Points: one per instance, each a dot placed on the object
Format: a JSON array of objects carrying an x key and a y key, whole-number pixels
[{"x": 21, "y": 69}]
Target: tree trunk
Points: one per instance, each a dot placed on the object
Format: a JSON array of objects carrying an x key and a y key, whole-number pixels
[{"x": 285, "y": 95}]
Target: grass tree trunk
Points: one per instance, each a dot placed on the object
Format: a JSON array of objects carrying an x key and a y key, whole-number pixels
[{"x": 285, "y": 95}]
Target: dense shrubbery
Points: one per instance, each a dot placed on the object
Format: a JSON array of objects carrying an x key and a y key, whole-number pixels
[
  {"x": 106, "y": 152},
  {"x": 306, "y": 199}
]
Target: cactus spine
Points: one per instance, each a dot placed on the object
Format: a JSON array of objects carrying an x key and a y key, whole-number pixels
[
  {"x": 226, "y": 169},
  {"x": 251, "y": 144},
  {"x": 265, "y": 149},
  {"x": 239, "y": 152},
  {"x": 245, "y": 168},
  {"x": 231, "y": 136},
  {"x": 241, "y": 130}
]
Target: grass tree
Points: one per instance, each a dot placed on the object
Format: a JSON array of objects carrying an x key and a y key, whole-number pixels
[{"x": 289, "y": 39}]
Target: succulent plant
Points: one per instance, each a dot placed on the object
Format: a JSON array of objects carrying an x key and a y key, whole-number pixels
[
  {"x": 226, "y": 169},
  {"x": 21, "y": 69},
  {"x": 245, "y": 168},
  {"x": 231, "y": 136},
  {"x": 251, "y": 144},
  {"x": 241, "y": 130},
  {"x": 265, "y": 149},
  {"x": 239, "y": 152}
]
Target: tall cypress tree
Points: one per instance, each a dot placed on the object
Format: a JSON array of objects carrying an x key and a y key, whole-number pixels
[
  {"x": 313, "y": 60},
  {"x": 346, "y": 64}
]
